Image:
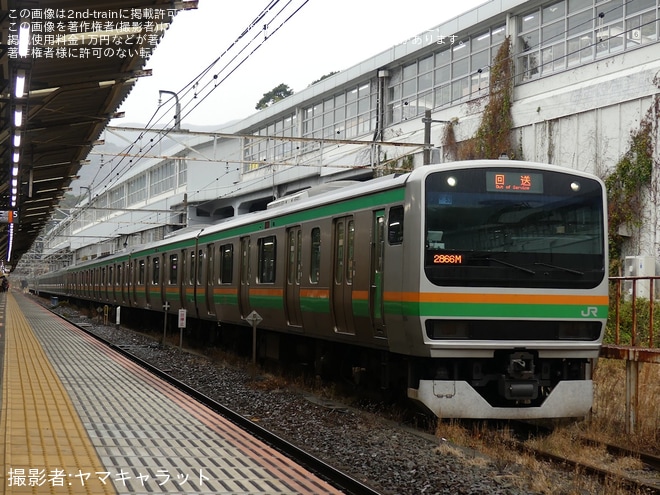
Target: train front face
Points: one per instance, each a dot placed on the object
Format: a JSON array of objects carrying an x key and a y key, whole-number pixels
[{"x": 513, "y": 300}]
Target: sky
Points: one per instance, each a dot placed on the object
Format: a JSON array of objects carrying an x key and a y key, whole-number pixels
[{"x": 320, "y": 38}]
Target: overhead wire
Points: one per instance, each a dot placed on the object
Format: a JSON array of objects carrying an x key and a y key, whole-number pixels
[
  {"x": 187, "y": 88},
  {"x": 150, "y": 126}
]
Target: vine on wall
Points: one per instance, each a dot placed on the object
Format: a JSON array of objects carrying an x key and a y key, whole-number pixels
[
  {"x": 492, "y": 138},
  {"x": 631, "y": 178}
]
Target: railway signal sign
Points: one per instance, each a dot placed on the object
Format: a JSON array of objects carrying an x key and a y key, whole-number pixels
[{"x": 254, "y": 319}]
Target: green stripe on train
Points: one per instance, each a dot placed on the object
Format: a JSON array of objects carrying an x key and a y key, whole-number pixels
[
  {"x": 275, "y": 302},
  {"x": 497, "y": 310}
]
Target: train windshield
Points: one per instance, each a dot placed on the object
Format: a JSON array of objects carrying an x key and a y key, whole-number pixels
[{"x": 514, "y": 228}]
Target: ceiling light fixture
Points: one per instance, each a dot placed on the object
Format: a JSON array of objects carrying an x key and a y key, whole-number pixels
[
  {"x": 23, "y": 39},
  {"x": 19, "y": 87}
]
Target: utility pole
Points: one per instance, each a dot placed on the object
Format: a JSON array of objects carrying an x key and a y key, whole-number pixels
[
  {"x": 177, "y": 117},
  {"x": 427, "y": 135}
]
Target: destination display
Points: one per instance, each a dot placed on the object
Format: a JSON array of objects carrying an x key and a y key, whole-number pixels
[{"x": 514, "y": 182}]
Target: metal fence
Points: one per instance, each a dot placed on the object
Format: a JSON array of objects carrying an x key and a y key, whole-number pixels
[{"x": 631, "y": 334}]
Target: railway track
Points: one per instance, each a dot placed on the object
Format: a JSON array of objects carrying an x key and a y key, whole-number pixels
[
  {"x": 643, "y": 480},
  {"x": 638, "y": 481}
]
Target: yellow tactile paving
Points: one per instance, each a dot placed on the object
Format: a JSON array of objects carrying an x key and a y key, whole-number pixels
[{"x": 44, "y": 445}]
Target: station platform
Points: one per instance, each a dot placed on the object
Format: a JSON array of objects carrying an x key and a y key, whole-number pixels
[{"x": 77, "y": 418}]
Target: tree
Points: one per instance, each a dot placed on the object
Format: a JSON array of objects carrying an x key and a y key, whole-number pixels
[
  {"x": 325, "y": 77},
  {"x": 273, "y": 96}
]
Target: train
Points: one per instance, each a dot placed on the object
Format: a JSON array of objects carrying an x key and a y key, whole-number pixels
[{"x": 478, "y": 287}]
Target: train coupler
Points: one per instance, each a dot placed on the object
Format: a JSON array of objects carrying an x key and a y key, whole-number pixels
[{"x": 520, "y": 382}]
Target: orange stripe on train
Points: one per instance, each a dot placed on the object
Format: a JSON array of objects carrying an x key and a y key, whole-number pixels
[{"x": 433, "y": 297}]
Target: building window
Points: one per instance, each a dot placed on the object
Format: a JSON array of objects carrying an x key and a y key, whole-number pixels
[
  {"x": 263, "y": 150},
  {"x": 183, "y": 173},
  {"x": 137, "y": 190},
  {"x": 459, "y": 71},
  {"x": 346, "y": 115},
  {"x": 569, "y": 33},
  {"x": 117, "y": 197},
  {"x": 162, "y": 178}
]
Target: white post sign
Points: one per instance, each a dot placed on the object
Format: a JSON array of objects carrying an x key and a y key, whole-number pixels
[{"x": 182, "y": 325}]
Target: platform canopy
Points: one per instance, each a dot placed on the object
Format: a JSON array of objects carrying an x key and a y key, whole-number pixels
[{"x": 66, "y": 66}]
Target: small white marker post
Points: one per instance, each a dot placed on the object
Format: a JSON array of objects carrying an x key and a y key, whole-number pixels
[
  {"x": 254, "y": 319},
  {"x": 182, "y": 325}
]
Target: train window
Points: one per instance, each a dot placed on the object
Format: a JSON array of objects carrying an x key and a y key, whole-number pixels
[
  {"x": 291, "y": 262},
  {"x": 294, "y": 262},
  {"x": 155, "y": 271},
  {"x": 315, "y": 266},
  {"x": 174, "y": 265},
  {"x": 191, "y": 275},
  {"x": 141, "y": 269},
  {"x": 226, "y": 263},
  {"x": 200, "y": 258},
  {"x": 395, "y": 225},
  {"x": 245, "y": 260},
  {"x": 267, "y": 250},
  {"x": 339, "y": 252},
  {"x": 118, "y": 277},
  {"x": 350, "y": 251},
  {"x": 110, "y": 276},
  {"x": 210, "y": 269},
  {"x": 299, "y": 256}
]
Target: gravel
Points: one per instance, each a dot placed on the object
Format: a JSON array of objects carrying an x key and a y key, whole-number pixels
[{"x": 379, "y": 452}]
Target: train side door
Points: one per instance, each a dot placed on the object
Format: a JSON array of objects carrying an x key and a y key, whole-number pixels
[
  {"x": 343, "y": 270},
  {"x": 132, "y": 283},
  {"x": 211, "y": 279},
  {"x": 244, "y": 285},
  {"x": 293, "y": 274},
  {"x": 148, "y": 281},
  {"x": 183, "y": 290},
  {"x": 377, "y": 259}
]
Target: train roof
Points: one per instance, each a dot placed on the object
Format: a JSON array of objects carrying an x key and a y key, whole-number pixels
[{"x": 318, "y": 197}]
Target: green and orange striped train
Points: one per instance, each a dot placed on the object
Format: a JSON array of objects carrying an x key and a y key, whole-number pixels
[{"x": 480, "y": 287}]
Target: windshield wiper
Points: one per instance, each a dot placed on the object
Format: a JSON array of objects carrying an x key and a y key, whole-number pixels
[
  {"x": 563, "y": 268},
  {"x": 521, "y": 268}
]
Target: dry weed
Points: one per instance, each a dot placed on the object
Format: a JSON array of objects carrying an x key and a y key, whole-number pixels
[
  {"x": 608, "y": 421},
  {"x": 606, "y": 424}
]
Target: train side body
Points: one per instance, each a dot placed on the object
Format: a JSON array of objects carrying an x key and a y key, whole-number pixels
[{"x": 493, "y": 293}]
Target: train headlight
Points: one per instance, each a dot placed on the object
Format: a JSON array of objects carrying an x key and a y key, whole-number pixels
[
  {"x": 447, "y": 329},
  {"x": 451, "y": 181},
  {"x": 575, "y": 186}
]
